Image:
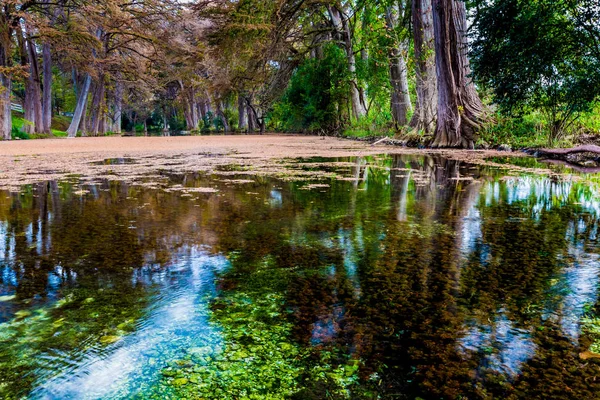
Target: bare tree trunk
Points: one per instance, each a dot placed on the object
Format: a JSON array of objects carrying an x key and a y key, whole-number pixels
[
  {"x": 460, "y": 110},
  {"x": 34, "y": 77},
  {"x": 195, "y": 113},
  {"x": 97, "y": 106},
  {"x": 424, "y": 43},
  {"x": 32, "y": 103},
  {"x": 252, "y": 123},
  {"x": 47, "y": 90},
  {"x": 118, "y": 106},
  {"x": 222, "y": 117},
  {"x": 5, "y": 89},
  {"x": 242, "y": 114},
  {"x": 165, "y": 122},
  {"x": 400, "y": 101},
  {"x": 362, "y": 91},
  {"x": 342, "y": 28},
  {"x": 81, "y": 105}
]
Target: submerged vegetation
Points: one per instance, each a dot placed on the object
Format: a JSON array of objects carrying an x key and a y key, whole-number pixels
[
  {"x": 407, "y": 276},
  {"x": 444, "y": 73}
]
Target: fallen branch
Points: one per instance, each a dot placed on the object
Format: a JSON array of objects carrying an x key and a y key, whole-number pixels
[
  {"x": 561, "y": 153},
  {"x": 385, "y": 139}
]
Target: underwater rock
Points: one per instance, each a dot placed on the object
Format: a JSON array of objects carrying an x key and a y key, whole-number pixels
[
  {"x": 168, "y": 372},
  {"x": 109, "y": 339},
  {"x": 200, "y": 351},
  {"x": 180, "y": 381},
  {"x": 22, "y": 314}
]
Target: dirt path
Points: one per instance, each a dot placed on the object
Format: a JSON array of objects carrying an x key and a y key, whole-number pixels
[{"x": 29, "y": 161}]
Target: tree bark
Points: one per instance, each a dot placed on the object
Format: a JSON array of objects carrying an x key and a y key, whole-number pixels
[
  {"x": 36, "y": 100},
  {"x": 400, "y": 100},
  {"x": 32, "y": 106},
  {"x": 222, "y": 117},
  {"x": 47, "y": 89},
  {"x": 424, "y": 43},
  {"x": 242, "y": 114},
  {"x": 81, "y": 105},
  {"x": 460, "y": 111},
  {"x": 97, "y": 106},
  {"x": 118, "y": 106},
  {"x": 166, "y": 130},
  {"x": 5, "y": 90},
  {"x": 342, "y": 28}
]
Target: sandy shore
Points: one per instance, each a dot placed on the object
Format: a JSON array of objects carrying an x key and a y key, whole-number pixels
[{"x": 29, "y": 161}]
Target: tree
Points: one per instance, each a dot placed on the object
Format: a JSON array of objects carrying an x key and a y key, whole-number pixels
[
  {"x": 343, "y": 33},
  {"x": 401, "y": 104},
  {"x": 460, "y": 111},
  {"x": 426, "y": 81},
  {"x": 543, "y": 54}
]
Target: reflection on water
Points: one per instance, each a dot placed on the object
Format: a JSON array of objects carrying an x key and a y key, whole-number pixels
[{"x": 411, "y": 277}]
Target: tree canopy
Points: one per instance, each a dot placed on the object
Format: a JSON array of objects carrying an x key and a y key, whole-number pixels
[{"x": 421, "y": 69}]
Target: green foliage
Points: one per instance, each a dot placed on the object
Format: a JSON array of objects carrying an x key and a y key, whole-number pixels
[
  {"x": 17, "y": 133},
  {"x": 315, "y": 98},
  {"x": 539, "y": 55}
]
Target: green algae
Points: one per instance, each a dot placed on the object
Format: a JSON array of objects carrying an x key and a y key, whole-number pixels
[{"x": 261, "y": 358}]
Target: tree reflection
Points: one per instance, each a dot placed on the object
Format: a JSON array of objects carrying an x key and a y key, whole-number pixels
[{"x": 439, "y": 279}]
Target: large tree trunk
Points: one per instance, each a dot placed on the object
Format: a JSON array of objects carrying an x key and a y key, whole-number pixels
[
  {"x": 35, "y": 82},
  {"x": 47, "y": 90},
  {"x": 97, "y": 107},
  {"x": 81, "y": 105},
  {"x": 400, "y": 101},
  {"x": 460, "y": 110},
  {"x": 342, "y": 28},
  {"x": 425, "y": 111},
  {"x": 32, "y": 106}
]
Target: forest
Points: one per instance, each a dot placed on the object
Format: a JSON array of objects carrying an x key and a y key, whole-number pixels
[{"x": 439, "y": 73}]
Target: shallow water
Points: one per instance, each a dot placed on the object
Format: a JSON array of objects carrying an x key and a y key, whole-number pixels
[{"x": 412, "y": 277}]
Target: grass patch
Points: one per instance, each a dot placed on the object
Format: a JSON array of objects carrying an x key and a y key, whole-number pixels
[{"x": 59, "y": 126}]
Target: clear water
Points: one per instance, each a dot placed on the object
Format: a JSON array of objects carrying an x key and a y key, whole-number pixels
[{"x": 413, "y": 277}]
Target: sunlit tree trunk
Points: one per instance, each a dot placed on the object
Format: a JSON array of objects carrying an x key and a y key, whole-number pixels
[
  {"x": 460, "y": 110},
  {"x": 425, "y": 110},
  {"x": 32, "y": 106},
  {"x": 400, "y": 99},
  {"x": 5, "y": 86},
  {"x": 342, "y": 28},
  {"x": 47, "y": 90},
  {"x": 34, "y": 79},
  {"x": 81, "y": 105}
]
